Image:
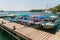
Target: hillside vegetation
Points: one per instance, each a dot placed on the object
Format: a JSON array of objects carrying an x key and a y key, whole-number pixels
[{"x": 55, "y": 9}]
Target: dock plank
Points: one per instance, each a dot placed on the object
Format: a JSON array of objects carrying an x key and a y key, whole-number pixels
[{"x": 55, "y": 37}]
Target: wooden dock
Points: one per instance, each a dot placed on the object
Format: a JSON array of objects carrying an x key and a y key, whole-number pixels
[{"x": 29, "y": 33}]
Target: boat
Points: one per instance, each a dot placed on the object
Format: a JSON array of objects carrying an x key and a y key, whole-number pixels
[
  {"x": 53, "y": 17},
  {"x": 2, "y": 11},
  {"x": 11, "y": 15},
  {"x": 46, "y": 11},
  {"x": 29, "y": 20},
  {"x": 51, "y": 23},
  {"x": 22, "y": 18},
  {"x": 58, "y": 13},
  {"x": 48, "y": 22}
]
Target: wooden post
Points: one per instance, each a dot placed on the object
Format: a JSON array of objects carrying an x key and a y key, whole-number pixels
[
  {"x": 2, "y": 22},
  {"x": 14, "y": 28}
]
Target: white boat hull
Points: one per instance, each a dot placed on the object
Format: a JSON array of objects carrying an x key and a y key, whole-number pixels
[{"x": 49, "y": 25}]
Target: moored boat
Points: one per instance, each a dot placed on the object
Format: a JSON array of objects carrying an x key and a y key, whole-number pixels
[
  {"x": 48, "y": 22},
  {"x": 58, "y": 13},
  {"x": 34, "y": 19},
  {"x": 51, "y": 24}
]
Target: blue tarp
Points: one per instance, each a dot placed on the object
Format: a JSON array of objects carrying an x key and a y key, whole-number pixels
[{"x": 42, "y": 17}]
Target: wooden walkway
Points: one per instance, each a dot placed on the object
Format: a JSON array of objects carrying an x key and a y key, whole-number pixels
[{"x": 29, "y": 33}]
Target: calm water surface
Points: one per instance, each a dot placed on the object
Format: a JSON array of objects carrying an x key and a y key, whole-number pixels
[{"x": 5, "y": 36}]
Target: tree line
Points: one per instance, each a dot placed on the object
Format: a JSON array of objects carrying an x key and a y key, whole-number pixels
[{"x": 54, "y": 9}]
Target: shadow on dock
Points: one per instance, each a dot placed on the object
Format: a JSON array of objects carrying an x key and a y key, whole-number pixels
[{"x": 52, "y": 31}]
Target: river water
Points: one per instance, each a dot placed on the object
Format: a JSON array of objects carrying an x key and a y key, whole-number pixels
[{"x": 5, "y": 36}]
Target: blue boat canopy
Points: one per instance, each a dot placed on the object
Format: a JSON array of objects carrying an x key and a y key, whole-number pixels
[{"x": 42, "y": 17}]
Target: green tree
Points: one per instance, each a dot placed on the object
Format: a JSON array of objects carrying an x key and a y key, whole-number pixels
[{"x": 55, "y": 9}]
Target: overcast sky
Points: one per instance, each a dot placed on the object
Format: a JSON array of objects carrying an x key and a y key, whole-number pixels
[{"x": 21, "y": 5}]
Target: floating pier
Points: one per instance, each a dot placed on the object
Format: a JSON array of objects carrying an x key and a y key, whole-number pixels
[{"x": 28, "y": 33}]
